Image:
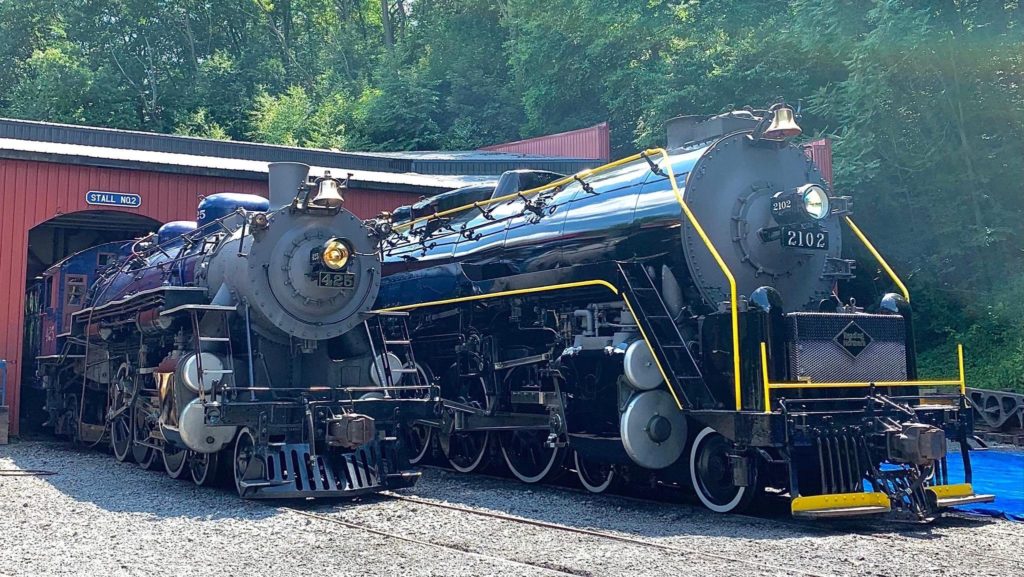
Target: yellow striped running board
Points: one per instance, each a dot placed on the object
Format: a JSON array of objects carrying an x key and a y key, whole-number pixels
[
  {"x": 840, "y": 505},
  {"x": 961, "y": 494}
]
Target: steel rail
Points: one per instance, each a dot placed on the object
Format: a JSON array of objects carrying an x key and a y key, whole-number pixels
[
  {"x": 406, "y": 538},
  {"x": 588, "y": 532}
]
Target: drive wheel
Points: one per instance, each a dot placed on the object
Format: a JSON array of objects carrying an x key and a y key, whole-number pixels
[
  {"x": 121, "y": 438},
  {"x": 528, "y": 457},
  {"x": 467, "y": 451},
  {"x": 711, "y": 474},
  {"x": 203, "y": 467},
  {"x": 247, "y": 466},
  {"x": 595, "y": 477},
  {"x": 420, "y": 439},
  {"x": 175, "y": 461}
]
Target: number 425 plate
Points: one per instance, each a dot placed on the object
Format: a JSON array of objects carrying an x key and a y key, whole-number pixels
[
  {"x": 341, "y": 280},
  {"x": 804, "y": 238}
]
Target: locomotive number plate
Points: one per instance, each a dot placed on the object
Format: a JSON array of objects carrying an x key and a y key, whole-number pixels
[
  {"x": 341, "y": 280},
  {"x": 801, "y": 238}
]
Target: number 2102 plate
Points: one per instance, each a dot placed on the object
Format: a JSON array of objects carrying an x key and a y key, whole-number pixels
[
  {"x": 803, "y": 238},
  {"x": 341, "y": 280}
]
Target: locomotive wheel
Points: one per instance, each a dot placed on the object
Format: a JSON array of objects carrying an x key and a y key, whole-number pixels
[
  {"x": 144, "y": 456},
  {"x": 247, "y": 464},
  {"x": 121, "y": 438},
  {"x": 203, "y": 467},
  {"x": 420, "y": 437},
  {"x": 712, "y": 476},
  {"x": 467, "y": 451},
  {"x": 175, "y": 461},
  {"x": 528, "y": 457},
  {"x": 595, "y": 477}
]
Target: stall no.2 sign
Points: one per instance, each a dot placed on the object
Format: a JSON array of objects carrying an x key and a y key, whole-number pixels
[{"x": 123, "y": 199}]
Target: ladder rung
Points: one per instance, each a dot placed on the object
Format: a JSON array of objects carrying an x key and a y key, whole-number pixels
[
  {"x": 404, "y": 370},
  {"x": 219, "y": 371},
  {"x": 214, "y": 339},
  {"x": 397, "y": 342}
]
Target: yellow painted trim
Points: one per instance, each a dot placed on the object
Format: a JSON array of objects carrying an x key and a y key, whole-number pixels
[
  {"x": 959, "y": 382},
  {"x": 947, "y": 491},
  {"x": 733, "y": 298},
  {"x": 546, "y": 288},
  {"x": 667, "y": 166},
  {"x": 878, "y": 257},
  {"x": 764, "y": 378},
  {"x": 839, "y": 501},
  {"x": 657, "y": 363},
  {"x": 863, "y": 384},
  {"x": 587, "y": 173},
  {"x": 960, "y": 366}
]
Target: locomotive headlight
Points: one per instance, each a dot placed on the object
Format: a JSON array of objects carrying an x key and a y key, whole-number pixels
[
  {"x": 335, "y": 254},
  {"x": 815, "y": 201}
]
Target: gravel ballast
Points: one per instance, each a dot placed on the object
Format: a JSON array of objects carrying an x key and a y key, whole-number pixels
[{"x": 100, "y": 517}]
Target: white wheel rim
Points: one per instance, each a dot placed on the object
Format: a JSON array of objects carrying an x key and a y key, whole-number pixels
[
  {"x": 426, "y": 445},
  {"x": 539, "y": 476},
  {"x": 176, "y": 473},
  {"x": 697, "y": 487},
  {"x": 587, "y": 484},
  {"x": 476, "y": 462},
  {"x": 234, "y": 466}
]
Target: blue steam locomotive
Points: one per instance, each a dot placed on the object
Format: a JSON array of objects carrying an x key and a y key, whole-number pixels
[
  {"x": 675, "y": 317},
  {"x": 243, "y": 343}
]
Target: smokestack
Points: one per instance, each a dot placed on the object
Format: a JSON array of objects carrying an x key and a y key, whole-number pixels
[{"x": 285, "y": 178}]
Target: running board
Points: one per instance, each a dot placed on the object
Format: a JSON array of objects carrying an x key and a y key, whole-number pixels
[{"x": 840, "y": 505}]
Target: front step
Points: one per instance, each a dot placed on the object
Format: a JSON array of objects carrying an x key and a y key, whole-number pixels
[
  {"x": 956, "y": 495},
  {"x": 840, "y": 505}
]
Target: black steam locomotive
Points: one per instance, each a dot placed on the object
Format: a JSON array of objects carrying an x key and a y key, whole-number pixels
[
  {"x": 246, "y": 344},
  {"x": 675, "y": 316}
]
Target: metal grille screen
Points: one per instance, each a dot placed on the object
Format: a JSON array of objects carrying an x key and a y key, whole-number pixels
[{"x": 875, "y": 347}]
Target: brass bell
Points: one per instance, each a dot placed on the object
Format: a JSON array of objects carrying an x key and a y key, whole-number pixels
[
  {"x": 783, "y": 125},
  {"x": 327, "y": 193}
]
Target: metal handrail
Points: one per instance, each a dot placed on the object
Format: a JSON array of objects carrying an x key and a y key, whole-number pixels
[
  {"x": 733, "y": 297},
  {"x": 769, "y": 386},
  {"x": 587, "y": 173},
  {"x": 878, "y": 257},
  {"x": 578, "y": 177}
]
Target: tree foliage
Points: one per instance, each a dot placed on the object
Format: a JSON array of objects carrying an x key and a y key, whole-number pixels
[{"x": 923, "y": 100}]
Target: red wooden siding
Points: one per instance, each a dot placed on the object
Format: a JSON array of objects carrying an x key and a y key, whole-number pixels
[
  {"x": 593, "y": 142},
  {"x": 33, "y": 192}
]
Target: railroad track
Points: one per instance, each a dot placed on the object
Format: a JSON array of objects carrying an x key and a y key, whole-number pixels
[
  {"x": 605, "y": 535},
  {"x": 821, "y": 526}
]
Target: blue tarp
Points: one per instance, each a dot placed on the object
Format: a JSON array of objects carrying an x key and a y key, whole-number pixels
[{"x": 997, "y": 472}]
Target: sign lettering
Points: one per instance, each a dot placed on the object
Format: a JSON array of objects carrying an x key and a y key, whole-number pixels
[{"x": 122, "y": 199}]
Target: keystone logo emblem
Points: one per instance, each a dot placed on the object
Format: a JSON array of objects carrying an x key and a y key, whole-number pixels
[{"x": 853, "y": 339}]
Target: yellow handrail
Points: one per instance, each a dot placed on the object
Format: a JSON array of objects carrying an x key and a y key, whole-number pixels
[
  {"x": 878, "y": 257},
  {"x": 587, "y": 173},
  {"x": 769, "y": 386},
  {"x": 733, "y": 298}
]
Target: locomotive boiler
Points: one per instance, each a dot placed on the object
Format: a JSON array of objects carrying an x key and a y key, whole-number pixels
[
  {"x": 245, "y": 344},
  {"x": 676, "y": 317}
]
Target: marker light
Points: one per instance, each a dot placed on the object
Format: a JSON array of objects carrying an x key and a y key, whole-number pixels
[{"x": 335, "y": 254}]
